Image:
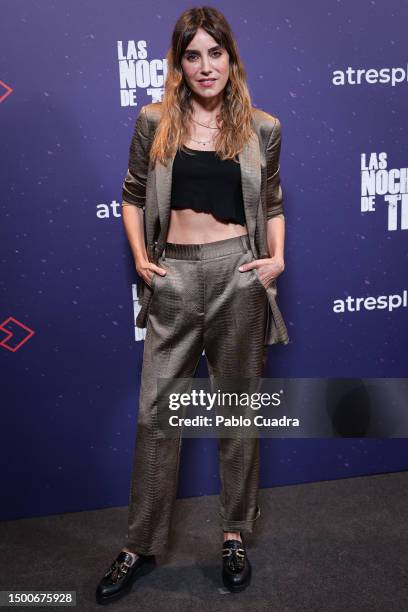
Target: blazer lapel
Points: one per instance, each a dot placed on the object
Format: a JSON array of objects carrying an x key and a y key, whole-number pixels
[{"x": 250, "y": 164}]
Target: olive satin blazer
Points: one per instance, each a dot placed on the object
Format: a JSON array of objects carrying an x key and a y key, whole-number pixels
[{"x": 150, "y": 189}]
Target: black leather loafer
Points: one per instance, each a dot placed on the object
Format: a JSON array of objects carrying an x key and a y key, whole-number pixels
[
  {"x": 236, "y": 568},
  {"x": 119, "y": 579}
]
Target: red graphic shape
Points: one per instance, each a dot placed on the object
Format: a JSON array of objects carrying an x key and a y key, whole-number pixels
[
  {"x": 8, "y": 91},
  {"x": 9, "y": 334}
]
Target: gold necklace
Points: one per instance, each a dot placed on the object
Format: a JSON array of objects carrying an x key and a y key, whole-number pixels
[
  {"x": 203, "y": 142},
  {"x": 207, "y": 126}
]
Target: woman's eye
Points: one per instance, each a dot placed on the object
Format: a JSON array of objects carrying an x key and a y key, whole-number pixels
[{"x": 193, "y": 56}]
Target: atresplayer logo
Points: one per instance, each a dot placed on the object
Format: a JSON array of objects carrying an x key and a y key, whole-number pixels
[
  {"x": 389, "y": 183},
  {"x": 136, "y": 71},
  {"x": 371, "y": 76}
]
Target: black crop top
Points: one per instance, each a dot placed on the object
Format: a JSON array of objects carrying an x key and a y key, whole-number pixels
[{"x": 204, "y": 182}]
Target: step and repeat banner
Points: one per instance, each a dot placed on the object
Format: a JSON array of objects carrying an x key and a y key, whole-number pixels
[{"x": 73, "y": 77}]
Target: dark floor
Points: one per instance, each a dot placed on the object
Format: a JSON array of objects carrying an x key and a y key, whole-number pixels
[{"x": 339, "y": 545}]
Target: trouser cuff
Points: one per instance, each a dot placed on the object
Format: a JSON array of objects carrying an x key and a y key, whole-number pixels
[
  {"x": 247, "y": 525},
  {"x": 146, "y": 550}
]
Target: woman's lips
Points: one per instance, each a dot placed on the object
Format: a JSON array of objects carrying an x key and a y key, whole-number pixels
[{"x": 207, "y": 82}]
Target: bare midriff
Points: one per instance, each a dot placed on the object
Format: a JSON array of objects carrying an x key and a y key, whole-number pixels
[{"x": 189, "y": 226}]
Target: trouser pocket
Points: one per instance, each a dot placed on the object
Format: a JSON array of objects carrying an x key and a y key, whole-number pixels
[{"x": 254, "y": 271}]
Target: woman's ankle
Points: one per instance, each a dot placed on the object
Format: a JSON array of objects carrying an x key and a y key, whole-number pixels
[{"x": 232, "y": 535}]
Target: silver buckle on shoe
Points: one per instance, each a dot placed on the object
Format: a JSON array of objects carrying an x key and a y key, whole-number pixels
[
  {"x": 227, "y": 552},
  {"x": 236, "y": 558},
  {"x": 117, "y": 570}
]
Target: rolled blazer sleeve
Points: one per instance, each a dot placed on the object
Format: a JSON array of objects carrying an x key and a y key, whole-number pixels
[
  {"x": 274, "y": 196},
  {"x": 134, "y": 184}
]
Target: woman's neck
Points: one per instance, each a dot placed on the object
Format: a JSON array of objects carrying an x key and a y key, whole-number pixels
[{"x": 206, "y": 108}]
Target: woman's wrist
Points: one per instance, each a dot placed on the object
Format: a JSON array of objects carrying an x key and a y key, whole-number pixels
[
  {"x": 278, "y": 256},
  {"x": 140, "y": 258},
  {"x": 279, "y": 261}
]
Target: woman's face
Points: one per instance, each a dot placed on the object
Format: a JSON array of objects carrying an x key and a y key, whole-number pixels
[{"x": 205, "y": 65}]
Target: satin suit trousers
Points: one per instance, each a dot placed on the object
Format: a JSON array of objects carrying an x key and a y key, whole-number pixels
[{"x": 203, "y": 302}]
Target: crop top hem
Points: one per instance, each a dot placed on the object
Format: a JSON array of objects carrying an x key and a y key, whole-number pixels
[{"x": 198, "y": 209}]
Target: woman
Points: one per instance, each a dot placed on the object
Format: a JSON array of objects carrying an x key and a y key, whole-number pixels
[{"x": 203, "y": 181}]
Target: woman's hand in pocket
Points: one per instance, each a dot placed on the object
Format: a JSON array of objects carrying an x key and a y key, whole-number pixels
[
  {"x": 147, "y": 269},
  {"x": 268, "y": 269}
]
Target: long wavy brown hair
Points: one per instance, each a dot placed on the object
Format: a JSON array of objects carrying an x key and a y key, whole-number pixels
[{"x": 177, "y": 109}]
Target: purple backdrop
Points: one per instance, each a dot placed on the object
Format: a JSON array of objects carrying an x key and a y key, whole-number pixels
[{"x": 70, "y": 354}]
